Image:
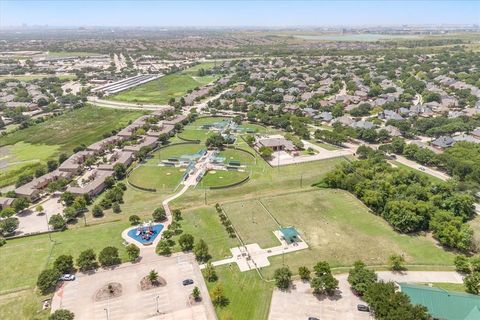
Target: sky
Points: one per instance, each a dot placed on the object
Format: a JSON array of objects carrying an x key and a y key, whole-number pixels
[{"x": 236, "y": 13}]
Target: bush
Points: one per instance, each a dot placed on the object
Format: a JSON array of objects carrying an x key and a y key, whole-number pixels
[
  {"x": 282, "y": 277},
  {"x": 8, "y": 226},
  {"x": 87, "y": 260},
  {"x": 2, "y": 241},
  {"x": 63, "y": 264},
  {"x": 159, "y": 215},
  {"x": 133, "y": 252},
  {"x": 109, "y": 257},
  {"x": 218, "y": 296},
  {"x": 61, "y": 314},
  {"x": 186, "y": 242},
  {"x": 472, "y": 283},
  {"x": 163, "y": 248},
  {"x": 116, "y": 207},
  {"x": 462, "y": 264},
  {"x": 57, "y": 222},
  {"x": 47, "y": 280},
  {"x": 396, "y": 262},
  {"x": 210, "y": 273},
  {"x": 304, "y": 273},
  {"x": 97, "y": 211},
  {"x": 201, "y": 251},
  {"x": 134, "y": 219}
]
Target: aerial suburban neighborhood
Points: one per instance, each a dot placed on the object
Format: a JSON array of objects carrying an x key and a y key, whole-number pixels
[{"x": 240, "y": 160}]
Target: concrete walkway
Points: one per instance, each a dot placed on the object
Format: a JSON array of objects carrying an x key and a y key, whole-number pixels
[{"x": 252, "y": 256}]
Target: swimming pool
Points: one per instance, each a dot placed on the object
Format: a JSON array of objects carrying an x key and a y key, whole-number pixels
[{"x": 145, "y": 239}]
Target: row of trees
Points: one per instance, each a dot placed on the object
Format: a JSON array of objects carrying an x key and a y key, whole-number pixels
[{"x": 408, "y": 201}]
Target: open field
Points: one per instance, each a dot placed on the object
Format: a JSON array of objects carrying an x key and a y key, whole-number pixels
[
  {"x": 61, "y": 54},
  {"x": 222, "y": 178},
  {"x": 337, "y": 227},
  {"x": 37, "y": 76},
  {"x": 249, "y": 296},
  {"x": 160, "y": 91},
  {"x": 156, "y": 177},
  {"x": 24, "y": 150}
]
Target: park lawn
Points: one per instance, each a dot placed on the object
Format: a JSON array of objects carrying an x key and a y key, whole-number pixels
[
  {"x": 175, "y": 151},
  {"x": 23, "y": 304},
  {"x": 194, "y": 133},
  {"x": 162, "y": 90},
  {"x": 327, "y": 146},
  {"x": 341, "y": 230},
  {"x": 236, "y": 155},
  {"x": 156, "y": 177},
  {"x": 24, "y": 258},
  {"x": 252, "y": 222},
  {"x": 255, "y": 127},
  {"x": 220, "y": 178},
  {"x": 249, "y": 296},
  {"x": 204, "y": 223},
  {"x": 32, "y": 77}
]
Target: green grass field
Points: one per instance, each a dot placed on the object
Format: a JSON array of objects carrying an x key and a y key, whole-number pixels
[
  {"x": 222, "y": 178},
  {"x": 249, "y": 296},
  {"x": 39, "y": 143},
  {"x": 37, "y": 76},
  {"x": 61, "y": 54},
  {"x": 162, "y": 90},
  {"x": 337, "y": 227},
  {"x": 455, "y": 287}
]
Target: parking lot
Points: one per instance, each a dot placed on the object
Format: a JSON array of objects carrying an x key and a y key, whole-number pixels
[
  {"x": 31, "y": 221},
  {"x": 133, "y": 303},
  {"x": 299, "y": 303}
]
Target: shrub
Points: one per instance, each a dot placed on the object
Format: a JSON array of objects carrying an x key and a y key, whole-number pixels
[
  {"x": 47, "y": 280},
  {"x": 61, "y": 314},
  {"x": 186, "y": 242},
  {"x": 97, "y": 211},
  {"x": 134, "y": 219},
  {"x": 282, "y": 277},
  {"x": 109, "y": 257},
  {"x": 133, "y": 252},
  {"x": 63, "y": 264},
  {"x": 462, "y": 264},
  {"x": 57, "y": 222},
  {"x": 87, "y": 260}
]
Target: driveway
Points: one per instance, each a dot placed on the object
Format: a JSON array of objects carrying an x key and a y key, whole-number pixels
[
  {"x": 300, "y": 303},
  {"x": 133, "y": 303}
]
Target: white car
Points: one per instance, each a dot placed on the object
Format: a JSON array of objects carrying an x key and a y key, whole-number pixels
[{"x": 67, "y": 277}]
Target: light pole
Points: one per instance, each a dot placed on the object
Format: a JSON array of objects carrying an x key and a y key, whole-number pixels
[
  {"x": 157, "y": 297},
  {"x": 48, "y": 228},
  {"x": 106, "y": 312}
]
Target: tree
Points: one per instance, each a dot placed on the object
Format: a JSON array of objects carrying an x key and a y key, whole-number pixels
[
  {"x": 97, "y": 211},
  {"x": 387, "y": 304},
  {"x": 132, "y": 251},
  {"x": 396, "y": 262},
  {"x": 215, "y": 141},
  {"x": 265, "y": 152},
  {"x": 304, "y": 273},
  {"x": 19, "y": 204},
  {"x": 52, "y": 165},
  {"x": 186, "y": 242},
  {"x": 201, "y": 251},
  {"x": 461, "y": 264},
  {"x": 57, "y": 222},
  {"x": 47, "y": 280},
  {"x": 23, "y": 179},
  {"x": 62, "y": 157},
  {"x": 116, "y": 207},
  {"x": 177, "y": 215},
  {"x": 196, "y": 293},
  {"x": 109, "y": 257},
  {"x": 39, "y": 208},
  {"x": 210, "y": 273},
  {"x": 360, "y": 277},
  {"x": 324, "y": 284},
  {"x": 283, "y": 277},
  {"x": 109, "y": 182},
  {"x": 63, "y": 264},
  {"x": 159, "y": 214},
  {"x": 68, "y": 198},
  {"x": 218, "y": 296},
  {"x": 472, "y": 283},
  {"x": 62, "y": 314},
  {"x": 120, "y": 170},
  {"x": 322, "y": 268},
  {"x": 87, "y": 260},
  {"x": 163, "y": 248},
  {"x": 40, "y": 171},
  {"x": 8, "y": 226},
  {"x": 152, "y": 276},
  {"x": 7, "y": 213}
]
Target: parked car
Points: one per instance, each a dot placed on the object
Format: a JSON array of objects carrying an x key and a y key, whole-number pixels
[
  {"x": 186, "y": 282},
  {"x": 67, "y": 277},
  {"x": 313, "y": 318},
  {"x": 422, "y": 168},
  {"x": 362, "y": 307}
]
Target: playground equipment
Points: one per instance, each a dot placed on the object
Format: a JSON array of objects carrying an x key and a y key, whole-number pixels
[{"x": 145, "y": 231}]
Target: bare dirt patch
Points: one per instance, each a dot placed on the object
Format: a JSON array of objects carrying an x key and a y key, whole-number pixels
[
  {"x": 146, "y": 284},
  {"x": 108, "y": 291}
]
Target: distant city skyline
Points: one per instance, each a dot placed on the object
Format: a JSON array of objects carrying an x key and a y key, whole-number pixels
[{"x": 237, "y": 13}]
